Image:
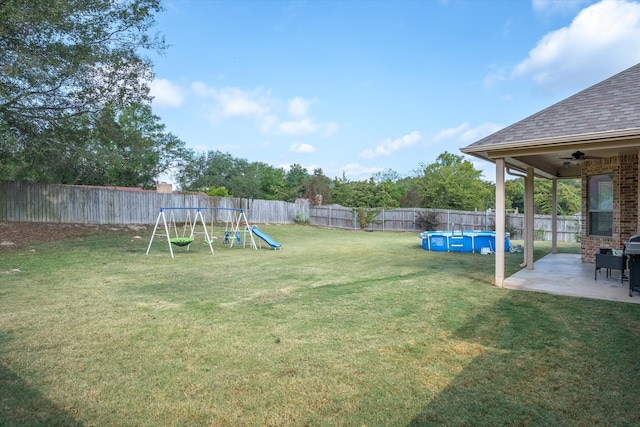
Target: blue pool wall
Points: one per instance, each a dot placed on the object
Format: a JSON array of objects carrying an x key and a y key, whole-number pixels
[{"x": 465, "y": 241}]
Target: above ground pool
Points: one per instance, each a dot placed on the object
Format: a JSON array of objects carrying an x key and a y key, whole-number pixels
[{"x": 462, "y": 241}]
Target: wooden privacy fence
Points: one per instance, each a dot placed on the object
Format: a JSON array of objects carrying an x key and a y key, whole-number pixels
[
  {"x": 406, "y": 219},
  {"x": 33, "y": 202}
]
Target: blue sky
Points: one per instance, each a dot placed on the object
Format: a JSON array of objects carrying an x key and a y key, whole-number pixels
[{"x": 360, "y": 86}]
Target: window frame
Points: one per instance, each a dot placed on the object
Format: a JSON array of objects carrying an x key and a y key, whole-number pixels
[{"x": 600, "y": 206}]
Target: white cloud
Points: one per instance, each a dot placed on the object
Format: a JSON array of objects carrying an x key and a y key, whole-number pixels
[
  {"x": 558, "y": 6},
  {"x": 299, "y": 107},
  {"x": 479, "y": 132},
  {"x": 231, "y": 101},
  {"x": 603, "y": 39},
  {"x": 330, "y": 129},
  {"x": 298, "y": 127},
  {"x": 389, "y": 146},
  {"x": 495, "y": 76},
  {"x": 451, "y": 132},
  {"x": 302, "y": 148},
  {"x": 235, "y": 102},
  {"x": 466, "y": 134},
  {"x": 166, "y": 94},
  {"x": 356, "y": 172}
]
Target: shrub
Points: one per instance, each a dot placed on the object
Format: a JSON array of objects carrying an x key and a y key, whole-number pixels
[
  {"x": 427, "y": 220},
  {"x": 367, "y": 216},
  {"x": 301, "y": 218}
]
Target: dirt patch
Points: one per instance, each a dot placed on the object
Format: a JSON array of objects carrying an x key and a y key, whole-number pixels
[{"x": 15, "y": 235}]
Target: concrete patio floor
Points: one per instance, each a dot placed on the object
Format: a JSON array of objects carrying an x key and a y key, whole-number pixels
[{"x": 566, "y": 274}]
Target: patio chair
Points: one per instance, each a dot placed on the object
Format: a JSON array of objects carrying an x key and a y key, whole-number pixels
[{"x": 609, "y": 260}]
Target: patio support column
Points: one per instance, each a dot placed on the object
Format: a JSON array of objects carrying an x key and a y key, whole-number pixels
[
  {"x": 554, "y": 216},
  {"x": 528, "y": 219},
  {"x": 500, "y": 225}
]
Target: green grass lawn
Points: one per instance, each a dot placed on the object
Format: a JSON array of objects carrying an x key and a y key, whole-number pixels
[{"x": 338, "y": 328}]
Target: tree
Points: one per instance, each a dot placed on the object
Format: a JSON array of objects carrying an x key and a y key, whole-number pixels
[
  {"x": 68, "y": 57},
  {"x": 451, "y": 182},
  {"x": 113, "y": 147},
  {"x": 296, "y": 180},
  {"x": 386, "y": 175},
  {"x": 412, "y": 197},
  {"x": 64, "y": 62},
  {"x": 514, "y": 194},
  {"x": 216, "y": 169},
  {"x": 568, "y": 196},
  {"x": 318, "y": 188},
  {"x": 272, "y": 182},
  {"x": 133, "y": 147},
  {"x": 341, "y": 190}
]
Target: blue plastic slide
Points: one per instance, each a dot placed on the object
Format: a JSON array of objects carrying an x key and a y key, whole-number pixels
[{"x": 265, "y": 237}]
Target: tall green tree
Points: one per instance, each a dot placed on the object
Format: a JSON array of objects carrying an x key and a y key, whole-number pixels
[
  {"x": 318, "y": 188},
  {"x": 216, "y": 169},
  {"x": 514, "y": 194},
  {"x": 451, "y": 182},
  {"x": 62, "y": 59},
  {"x": 411, "y": 197},
  {"x": 297, "y": 178},
  {"x": 341, "y": 190},
  {"x": 272, "y": 182},
  {"x": 67, "y": 57},
  {"x": 114, "y": 147},
  {"x": 134, "y": 148},
  {"x": 569, "y": 196}
]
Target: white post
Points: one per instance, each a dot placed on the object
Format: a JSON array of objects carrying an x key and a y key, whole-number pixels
[
  {"x": 554, "y": 216},
  {"x": 500, "y": 226}
]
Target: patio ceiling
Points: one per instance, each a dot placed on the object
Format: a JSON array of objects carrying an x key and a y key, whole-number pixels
[{"x": 559, "y": 157}]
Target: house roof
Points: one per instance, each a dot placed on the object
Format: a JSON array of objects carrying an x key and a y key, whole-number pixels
[{"x": 602, "y": 120}]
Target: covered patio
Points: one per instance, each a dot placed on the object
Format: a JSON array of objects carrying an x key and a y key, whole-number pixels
[
  {"x": 593, "y": 136},
  {"x": 565, "y": 274}
]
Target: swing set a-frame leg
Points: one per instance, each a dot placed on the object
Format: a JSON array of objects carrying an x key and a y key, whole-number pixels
[
  {"x": 204, "y": 225},
  {"x": 166, "y": 230}
]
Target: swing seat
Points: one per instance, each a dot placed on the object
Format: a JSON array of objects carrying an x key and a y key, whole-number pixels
[{"x": 181, "y": 241}]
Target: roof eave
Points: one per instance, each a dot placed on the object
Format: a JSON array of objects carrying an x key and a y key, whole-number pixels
[{"x": 557, "y": 143}]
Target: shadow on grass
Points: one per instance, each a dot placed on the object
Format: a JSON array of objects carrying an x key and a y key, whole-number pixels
[
  {"x": 544, "y": 360},
  {"x": 23, "y": 405}
]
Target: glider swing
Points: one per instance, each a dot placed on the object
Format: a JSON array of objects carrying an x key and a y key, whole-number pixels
[{"x": 177, "y": 240}]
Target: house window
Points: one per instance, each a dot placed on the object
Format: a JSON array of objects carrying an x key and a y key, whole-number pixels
[{"x": 601, "y": 205}]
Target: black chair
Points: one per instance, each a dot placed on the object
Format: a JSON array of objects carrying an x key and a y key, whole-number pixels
[{"x": 607, "y": 260}]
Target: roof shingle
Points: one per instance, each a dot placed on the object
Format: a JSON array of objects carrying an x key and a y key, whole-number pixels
[{"x": 611, "y": 105}]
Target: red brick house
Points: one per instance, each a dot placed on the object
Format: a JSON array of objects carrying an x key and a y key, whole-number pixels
[{"x": 593, "y": 135}]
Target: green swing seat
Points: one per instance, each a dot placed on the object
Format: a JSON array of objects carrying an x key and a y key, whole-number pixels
[{"x": 181, "y": 241}]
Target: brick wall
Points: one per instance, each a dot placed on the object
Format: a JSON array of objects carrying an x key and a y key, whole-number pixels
[{"x": 625, "y": 203}]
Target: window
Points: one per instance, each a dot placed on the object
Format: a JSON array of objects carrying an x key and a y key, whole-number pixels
[{"x": 601, "y": 205}]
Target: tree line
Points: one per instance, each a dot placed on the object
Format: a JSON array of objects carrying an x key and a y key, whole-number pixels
[{"x": 75, "y": 109}]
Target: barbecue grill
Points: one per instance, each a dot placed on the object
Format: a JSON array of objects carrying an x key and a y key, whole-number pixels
[{"x": 631, "y": 250}]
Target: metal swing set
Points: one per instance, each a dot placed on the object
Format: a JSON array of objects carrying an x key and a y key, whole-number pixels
[{"x": 232, "y": 234}]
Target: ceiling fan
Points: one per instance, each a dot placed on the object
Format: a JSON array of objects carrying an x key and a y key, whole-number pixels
[{"x": 577, "y": 158}]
